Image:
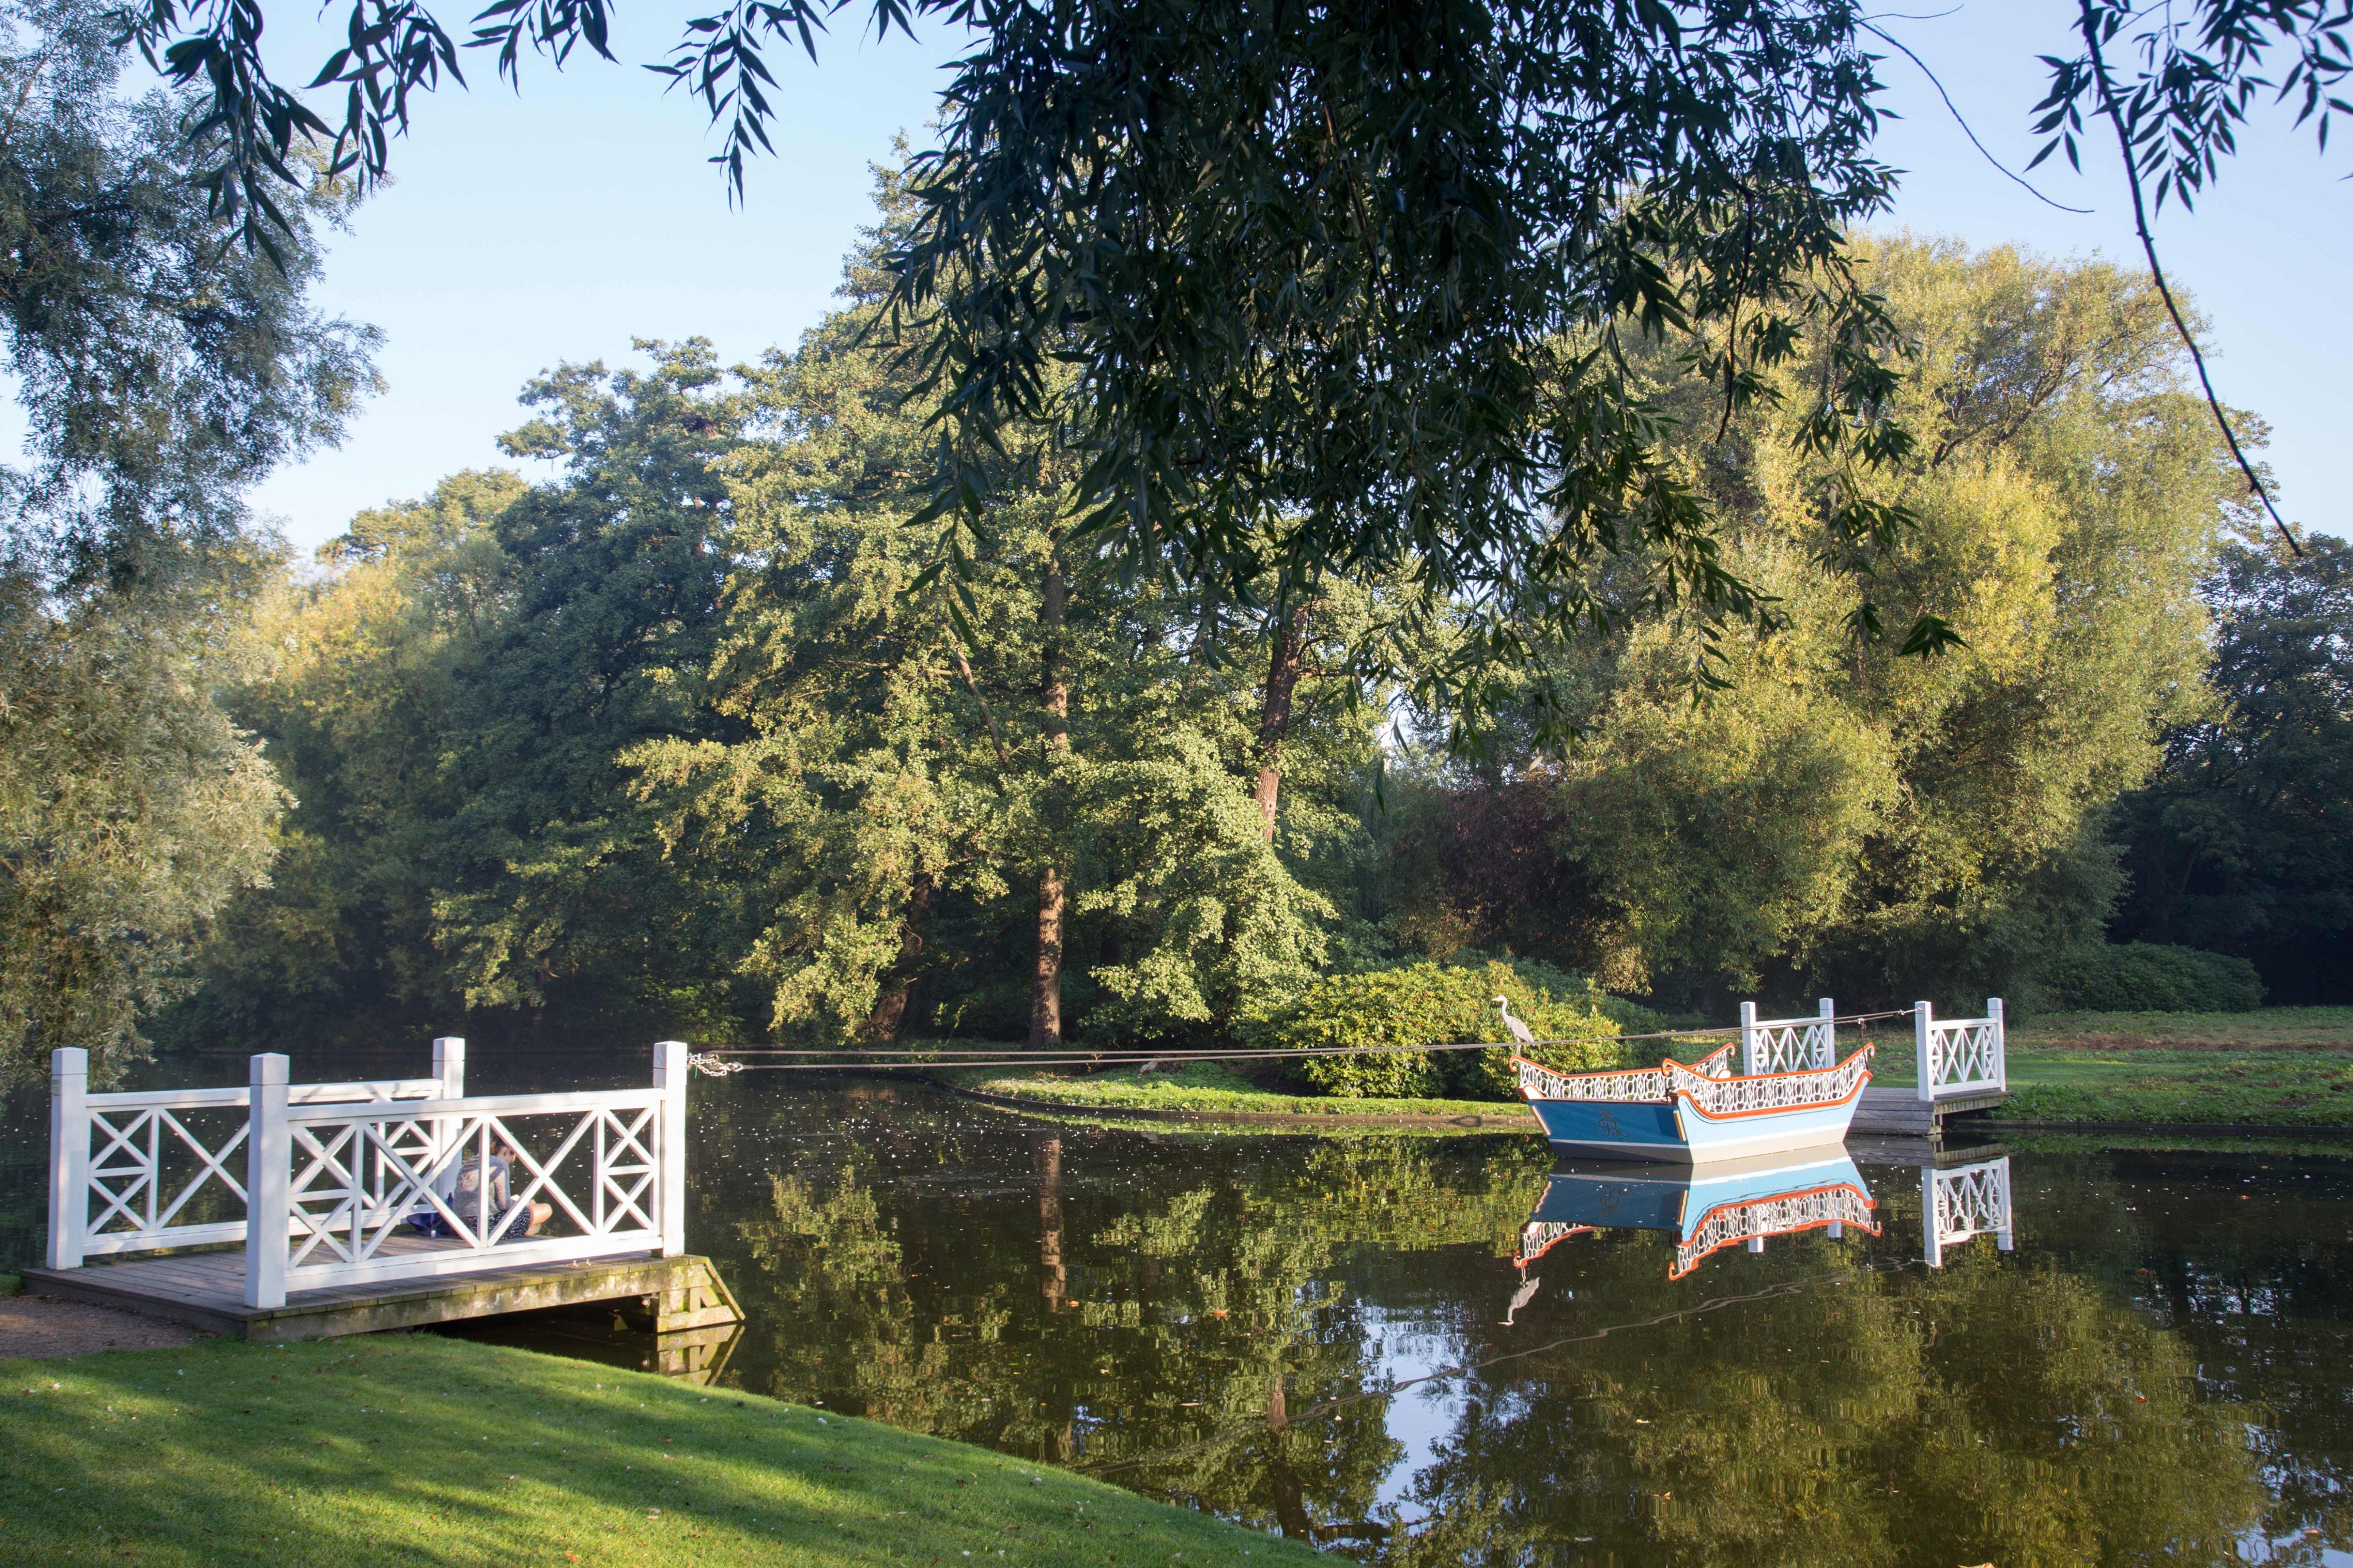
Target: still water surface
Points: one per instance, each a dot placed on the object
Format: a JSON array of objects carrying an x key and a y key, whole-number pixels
[{"x": 1333, "y": 1338}]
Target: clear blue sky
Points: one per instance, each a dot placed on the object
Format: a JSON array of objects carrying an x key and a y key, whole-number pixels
[{"x": 522, "y": 232}]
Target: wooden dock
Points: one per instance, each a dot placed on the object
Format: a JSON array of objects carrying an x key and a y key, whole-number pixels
[
  {"x": 1902, "y": 1111},
  {"x": 206, "y": 1290}
]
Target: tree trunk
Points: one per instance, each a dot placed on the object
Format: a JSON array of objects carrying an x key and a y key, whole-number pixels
[
  {"x": 1054, "y": 700},
  {"x": 891, "y": 1010},
  {"x": 1274, "y": 718}
]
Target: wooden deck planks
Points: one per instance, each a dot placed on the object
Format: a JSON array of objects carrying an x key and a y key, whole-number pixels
[
  {"x": 1903, "y": 1112},
  {"x": 207, "y": 1290}
]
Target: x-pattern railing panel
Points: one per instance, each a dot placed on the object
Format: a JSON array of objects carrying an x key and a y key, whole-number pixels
[
  {"x": 1966, "y": 1054},
  {"x": 132, "y": 1180},
  {"x": 360, "y": 1175},
  {"x": 1791, "y": 1045}
]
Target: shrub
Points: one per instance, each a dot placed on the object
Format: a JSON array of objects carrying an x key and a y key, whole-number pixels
[
  {"x": 2149, "y": 977},
  {"x": 1429, "y": 1004}
]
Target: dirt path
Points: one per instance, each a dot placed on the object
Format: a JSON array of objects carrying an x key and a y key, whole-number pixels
[{"x": 40, "y": 1326}]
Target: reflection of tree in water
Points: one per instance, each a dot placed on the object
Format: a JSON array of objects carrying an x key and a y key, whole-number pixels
[
  {"x": 1986, "y": 1413},
  {"x": 1059, "y": 1304},
  {"x": 1136, "y": 1328}
]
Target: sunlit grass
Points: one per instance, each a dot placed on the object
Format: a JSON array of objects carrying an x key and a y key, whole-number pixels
[{"x": 417, "y": 1450}]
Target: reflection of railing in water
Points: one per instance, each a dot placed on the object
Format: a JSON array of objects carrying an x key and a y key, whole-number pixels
[
  {"x": 1783, "y": 1213},
  {"x": 1965, "y": 1201},
  {"x": 1539, "y": 1236}
]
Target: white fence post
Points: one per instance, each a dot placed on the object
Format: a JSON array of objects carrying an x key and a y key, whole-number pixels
[
  {"x": 1826, "y": 1046},
  {"x": 268, "y": 1156},
  {"x": 669, "y": 1077},
  {"x": 1923, "y": 1047},
  {"x": 69, "y": 1154},
  {"x": 450, "y": 1067},
  {"x": 1748, "y": 1051},
  {"x": 2000, "y": 1044}
]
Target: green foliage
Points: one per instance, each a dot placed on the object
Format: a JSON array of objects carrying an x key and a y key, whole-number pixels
[
  {"x": 160, "y": 373},
  {"x": 2243, "y": 842},
  {"x": 1430, "y": 1004},
  {"x": 668, "y": 743},
  {"x": 1443, "y": 225},
  {"x": 2148, "y": 977},
  {"x": 1836, "y": 820},
  {"x": 161, "y": 370},
  {"x": 130, "y": 808}
]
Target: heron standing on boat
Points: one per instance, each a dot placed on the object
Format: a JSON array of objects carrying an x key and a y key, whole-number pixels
[{"x": 1520, "y": 1031}]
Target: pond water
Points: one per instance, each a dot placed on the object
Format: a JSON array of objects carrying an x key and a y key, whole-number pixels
[{"x": 1348, "y": 1339}]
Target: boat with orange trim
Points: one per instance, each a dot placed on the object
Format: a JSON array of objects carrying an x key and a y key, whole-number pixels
[{"x": 1691, "y": 1114}]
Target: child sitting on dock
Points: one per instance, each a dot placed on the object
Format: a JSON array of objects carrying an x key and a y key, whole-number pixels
[{"x": 475, "y": 1183}]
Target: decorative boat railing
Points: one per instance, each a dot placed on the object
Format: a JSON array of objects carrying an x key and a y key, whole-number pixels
[
  {"x": 1774, "y": 1091},
  {"x": 1539, "y": 1236},
  {"x": 1632, "y": 1084},
  {"x": 1783, "y": 1213}
]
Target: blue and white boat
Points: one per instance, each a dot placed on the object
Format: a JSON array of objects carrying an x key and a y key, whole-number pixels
[
  {"x": 1694, "y": 1114},
  {"x": 1708, "y": 1208}
]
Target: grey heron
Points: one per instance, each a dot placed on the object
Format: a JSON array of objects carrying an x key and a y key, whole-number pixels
[{"x": 1520, "y": 1031}]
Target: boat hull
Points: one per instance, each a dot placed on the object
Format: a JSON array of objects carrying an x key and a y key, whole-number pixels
[{"x": 1677, "y": 1132}]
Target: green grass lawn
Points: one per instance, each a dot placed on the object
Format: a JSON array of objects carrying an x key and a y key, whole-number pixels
[
  {"x": 2282, "y": 1028},
  {"x": 410, "y": 1449},
  {"x": 2285, "y": 1067},
  {"x": 2248, "y": 1088}
]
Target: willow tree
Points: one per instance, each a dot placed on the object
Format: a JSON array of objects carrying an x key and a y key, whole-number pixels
[
  {"x": 161, "y": 371},
  {"x": 1877, "y": 825}
]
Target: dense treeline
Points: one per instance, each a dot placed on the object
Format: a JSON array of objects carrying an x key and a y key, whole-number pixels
[
  {"x": 674, "y": 739},
  {"x": 1835, "y": 822},
  {"x": 664, "y": 742}
]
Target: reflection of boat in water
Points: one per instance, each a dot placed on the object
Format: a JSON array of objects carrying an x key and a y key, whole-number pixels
[
  {"x": 1689, "y": 1115},
  {"x": 1708, "y": 1209}
]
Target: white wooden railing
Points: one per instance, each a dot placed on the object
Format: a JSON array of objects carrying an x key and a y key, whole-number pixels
[
  {"x": 336, "y": 1176},
  {"x": 1965, "y": 1201},
  {"x": 1788, "y": 1044},
  {"x": 1961, "y": 1056}
]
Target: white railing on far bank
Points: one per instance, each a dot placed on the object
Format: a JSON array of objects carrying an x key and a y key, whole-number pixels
[
  {"x": 357, "y": 1182},
  {"x": 1788, "y": 1044},
  {"x": 1961, "y": 1056}
]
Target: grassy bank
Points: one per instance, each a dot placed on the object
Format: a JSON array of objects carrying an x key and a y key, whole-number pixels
[
  {"x": 2286, "y": 1067},
  {"x": 2244, "y": 1087},
  {"x": 2268, "y": 1028},
  {"x": 1201, "y": 1087},
  {"x": 411, "y": 1449}
]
